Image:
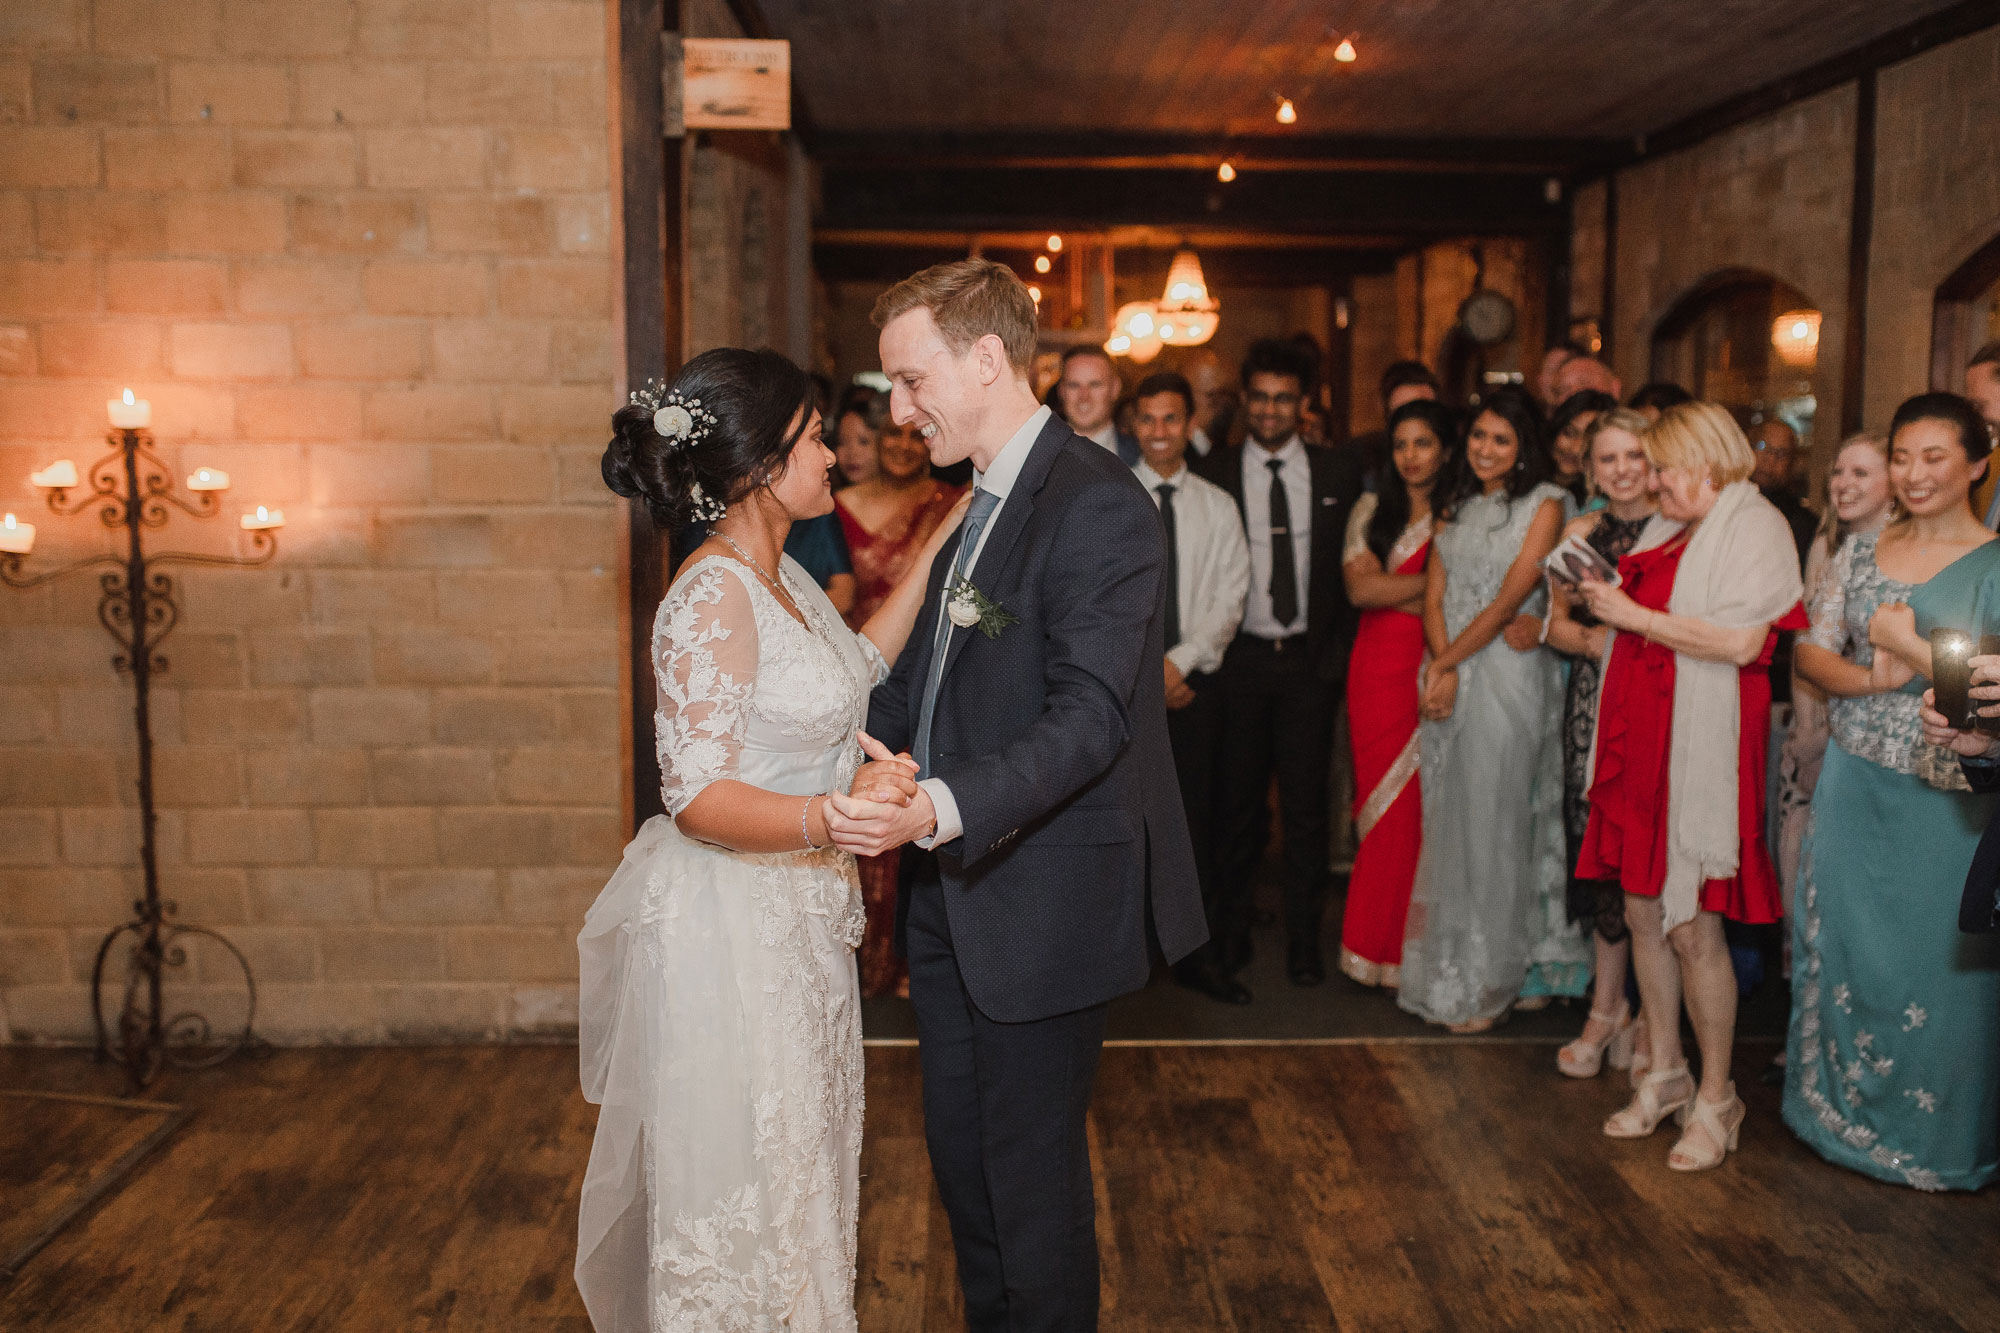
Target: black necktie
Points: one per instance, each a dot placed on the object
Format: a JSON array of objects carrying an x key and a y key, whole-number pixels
[
  {"x": 1284, "y": 578},
  {"x": 1165, "y": 490}
]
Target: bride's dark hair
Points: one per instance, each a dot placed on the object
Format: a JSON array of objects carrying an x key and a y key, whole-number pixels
[{"x": 761, "y": 404}]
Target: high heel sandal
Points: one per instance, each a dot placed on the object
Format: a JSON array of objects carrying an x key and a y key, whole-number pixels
[
  {"x": 1583, "y": 1058},
  {"x": 1651, "y": 1104},
  {"x": 1719, "y": 1123},
  {"x": 1641, "y": 1061}
]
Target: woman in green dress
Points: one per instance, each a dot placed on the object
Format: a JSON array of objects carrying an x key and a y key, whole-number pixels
[{"x": 1893, "y": 1059}]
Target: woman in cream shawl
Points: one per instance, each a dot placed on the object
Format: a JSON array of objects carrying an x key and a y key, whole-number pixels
[{"x": 1677, "y": 788}]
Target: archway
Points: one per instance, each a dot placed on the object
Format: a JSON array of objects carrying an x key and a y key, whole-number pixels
[
  {"x": 1965, "y": 313},
  {"x": 1747, "y": 340}
]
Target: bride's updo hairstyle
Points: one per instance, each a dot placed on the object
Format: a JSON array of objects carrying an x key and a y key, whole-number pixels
[{"x": 742, "y": 413}]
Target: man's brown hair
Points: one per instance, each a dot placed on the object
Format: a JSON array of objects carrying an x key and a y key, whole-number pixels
[{"x": 969, "y": 298}]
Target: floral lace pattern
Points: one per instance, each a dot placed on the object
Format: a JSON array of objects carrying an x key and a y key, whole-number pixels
[{"x": 1884, "y": 729}]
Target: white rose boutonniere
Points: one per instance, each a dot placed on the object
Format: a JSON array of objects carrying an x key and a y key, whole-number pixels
[{"x": 969, "y": 608}]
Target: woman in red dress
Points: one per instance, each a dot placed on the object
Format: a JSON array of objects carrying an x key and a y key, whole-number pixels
[
  {"x": 1388, "y": 541},
  {"x": 887, "y": 519},
  {"x": 1677, "y": 795}
]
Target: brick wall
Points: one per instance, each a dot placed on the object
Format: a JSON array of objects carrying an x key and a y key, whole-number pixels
[
  {"x": 1937, "y": 200},
  {"x": 1771, "y": 195},
  {"x": 356, "y": 253}
]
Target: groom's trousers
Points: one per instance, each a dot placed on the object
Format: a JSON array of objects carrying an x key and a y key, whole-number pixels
[{"x": 1004, "y": 1107}]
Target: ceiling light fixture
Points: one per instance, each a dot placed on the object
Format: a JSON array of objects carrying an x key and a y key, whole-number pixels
[
  {"x": 1042, "y": 264},
  {"x": 1225, "y": 173},
  {"x": 1055, "y": 245},
  {"x": 1344, "y": 53},
  {"x": 1186, "y": 314},
  {"x": 1287, "y": 113}
]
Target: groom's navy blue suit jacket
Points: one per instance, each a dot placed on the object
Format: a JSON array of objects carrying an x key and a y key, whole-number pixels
[{"x": 1053, "y": 739}]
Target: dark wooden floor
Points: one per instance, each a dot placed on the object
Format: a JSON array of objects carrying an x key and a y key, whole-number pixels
[{"x": 1387, "y": 1186}]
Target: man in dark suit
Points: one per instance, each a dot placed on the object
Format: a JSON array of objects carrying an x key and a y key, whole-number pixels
[
  {"x": 1087, "y": 393},
  {"x": 1280, "y": 683},
  {"x": 1032, "y": 698}
]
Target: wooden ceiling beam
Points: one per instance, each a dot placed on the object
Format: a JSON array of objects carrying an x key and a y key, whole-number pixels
[{"x": 1137, "y": 151}]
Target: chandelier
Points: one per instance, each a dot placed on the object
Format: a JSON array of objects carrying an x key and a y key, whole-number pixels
[{"x": 1184, "y": 316}]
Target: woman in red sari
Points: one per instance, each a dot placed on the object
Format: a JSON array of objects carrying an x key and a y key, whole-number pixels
[
  {"x": 1388, "y": 541},
  {"x": 886, "y": 520},
  {"x": 887, "y": 517},
  {"x": 1677, "y": 793}
]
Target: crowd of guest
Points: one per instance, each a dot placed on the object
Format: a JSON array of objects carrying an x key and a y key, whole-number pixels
[{"x": 1567, "y": 784}]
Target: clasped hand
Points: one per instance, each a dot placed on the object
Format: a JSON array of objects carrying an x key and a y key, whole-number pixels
[{"x": 883, "y": 807}]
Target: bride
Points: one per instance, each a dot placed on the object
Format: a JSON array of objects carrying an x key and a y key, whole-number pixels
[{"x": 719, "y": 1014}]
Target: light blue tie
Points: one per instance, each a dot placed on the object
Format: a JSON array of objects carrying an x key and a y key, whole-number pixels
[{"x": 983, "y": 504}]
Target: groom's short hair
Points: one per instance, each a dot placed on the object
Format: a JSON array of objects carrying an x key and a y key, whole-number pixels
[{"x": 969, "y": 298}]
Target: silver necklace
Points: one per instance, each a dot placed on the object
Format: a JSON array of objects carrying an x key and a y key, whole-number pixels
[{"x": 751, "y": 560}]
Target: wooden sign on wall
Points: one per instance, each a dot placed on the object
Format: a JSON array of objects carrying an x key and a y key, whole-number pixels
[{"x": 737, "y": 85}]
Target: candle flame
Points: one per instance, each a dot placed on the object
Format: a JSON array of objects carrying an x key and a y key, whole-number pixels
[{"x": 129, "y": 399}]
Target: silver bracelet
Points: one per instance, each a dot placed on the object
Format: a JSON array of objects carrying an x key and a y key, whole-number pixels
[{"x": 805, "y": 824}]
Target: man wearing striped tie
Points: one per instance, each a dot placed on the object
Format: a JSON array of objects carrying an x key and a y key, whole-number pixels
[{"x": 1033, "y": 703}]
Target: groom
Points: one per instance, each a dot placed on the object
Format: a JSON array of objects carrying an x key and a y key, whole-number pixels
[{"x": 1032, "y": 699}]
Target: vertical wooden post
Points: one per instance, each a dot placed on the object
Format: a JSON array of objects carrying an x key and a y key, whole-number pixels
[
  {"x": 651, "y": 225},
  {"x": 1860, "y": 238}
]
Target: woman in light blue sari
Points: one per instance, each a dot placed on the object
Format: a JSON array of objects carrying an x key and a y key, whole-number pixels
[{"x": 1893, "y": 1059}]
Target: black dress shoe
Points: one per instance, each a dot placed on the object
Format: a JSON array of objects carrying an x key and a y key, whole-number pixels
[
  {"x": 1304, "y": 964},
  {"x": 1202, "y": 976}
]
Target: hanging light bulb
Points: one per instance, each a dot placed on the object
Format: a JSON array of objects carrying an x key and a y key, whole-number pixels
[
  {"x": 1055, "y": 245},
  {"x": 1042, "y": 264},
  {"x": 1035, "y": 293},
  {"x": 1344, "y": 53},
  {"x": 1225, "y": 173},
  {"x": 1287, "y": 113}
]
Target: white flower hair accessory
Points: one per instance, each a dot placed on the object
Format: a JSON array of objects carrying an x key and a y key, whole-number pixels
[
  {"x": 706, "y": 507},
  {"x": 680, "y": 421}
]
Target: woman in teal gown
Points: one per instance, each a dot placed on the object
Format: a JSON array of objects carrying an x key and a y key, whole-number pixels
[{"x": 1893, "y": 1056}]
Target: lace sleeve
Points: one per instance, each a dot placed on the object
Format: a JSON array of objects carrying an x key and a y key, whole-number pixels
[
  {"x": 705, "y": 657},
  {"x": 878, "y": 665},
  {"x": 1828, "y": 603},
  {"x": 1357, "y": 527}
]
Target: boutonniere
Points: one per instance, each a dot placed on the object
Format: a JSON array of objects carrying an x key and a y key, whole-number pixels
[{"x": 967, "y": 607}]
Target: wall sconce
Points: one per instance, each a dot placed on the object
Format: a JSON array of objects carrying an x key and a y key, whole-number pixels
[{"x": 1795, "y": 334}]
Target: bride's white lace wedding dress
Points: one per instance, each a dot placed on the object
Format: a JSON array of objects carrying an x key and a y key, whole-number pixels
[{"x": 720, "y": 1016}]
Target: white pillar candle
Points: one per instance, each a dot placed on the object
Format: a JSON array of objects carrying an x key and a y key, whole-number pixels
[
  {"x": 263, "y": 520},
  {"x": 16, "y": 537},
  {"x": 57, "y": 476},
  {"x": 129, "y": 413}
]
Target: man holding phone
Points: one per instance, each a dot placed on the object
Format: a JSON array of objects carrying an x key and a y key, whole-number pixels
[{"x": 1978, "y": 754}]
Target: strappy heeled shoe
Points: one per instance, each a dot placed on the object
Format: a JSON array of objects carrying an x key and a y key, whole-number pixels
[
  {"x": 1718, "y": 1124},
  {"x": 1583, "y": 1058},
  {"x": 1660, "y": 1095},
  {"x": 1640, "y": 1059}
]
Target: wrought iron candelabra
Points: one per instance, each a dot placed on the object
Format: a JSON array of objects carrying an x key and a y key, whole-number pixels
[{"x": 131, "y": 490}]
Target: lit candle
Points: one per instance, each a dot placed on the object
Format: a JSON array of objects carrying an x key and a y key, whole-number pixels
[
  {"x": 129, "y": 413},
  {"x": 57, "y": 476},
  {"x": 264, "y": 519},
  {"x": 208, "y": 479},
  {"x": 16, "y": 537}
]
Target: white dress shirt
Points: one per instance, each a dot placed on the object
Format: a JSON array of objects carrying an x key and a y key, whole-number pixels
[
  {"x": 1213, "y": 561},
  {"x": 1199, "y": 442},
  {"x": 1106, "y": 435},
  {"x": 1258, "y": 618},
  {"x": 996, "y": 480}
]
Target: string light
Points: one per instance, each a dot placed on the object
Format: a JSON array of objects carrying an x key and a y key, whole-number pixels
[
  {"x": 1225, "y": 173},
  {"x": 1344, "y": 53},
  {"x": 1287, "y": 113},
  {"x": 1055, "y": 245},
  {"x": 1035, "y": 293},
  {"x": 1042, "y": 264}
]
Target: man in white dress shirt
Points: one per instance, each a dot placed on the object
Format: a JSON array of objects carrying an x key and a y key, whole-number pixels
[
  {"x": 1088, "y": 392},
  {"x": 1208, "y": 574}
]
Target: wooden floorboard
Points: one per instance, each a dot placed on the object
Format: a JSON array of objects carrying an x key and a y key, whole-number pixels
[{"x": 1355, "y": 1187}]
